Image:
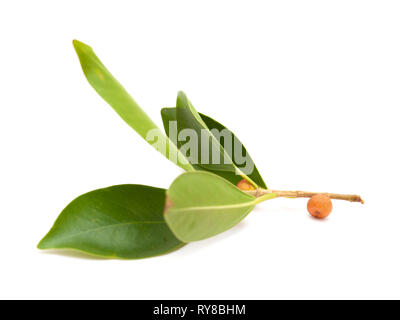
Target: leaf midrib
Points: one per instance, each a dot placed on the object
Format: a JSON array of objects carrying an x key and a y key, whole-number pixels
[{"x": 222, "y": 207}]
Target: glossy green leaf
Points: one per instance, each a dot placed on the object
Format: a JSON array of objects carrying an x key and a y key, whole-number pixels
[
  {"x": 234, "y": 178},
  {"x": 169, "y": 114},
  {"x": 201, "y": 205},
  {"x": 118, "y": 98},
  {"x": 124, "y": 221},
  {"x": 209, "y": 147}
]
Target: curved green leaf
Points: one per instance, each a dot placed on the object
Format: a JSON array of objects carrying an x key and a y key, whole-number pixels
[
  {"x": 169, "y": 114},
  {"x": 124, "y": 221},
  {"x": 201, "y": 205},
  {"x": 234, "y": 178},
  {"x": 211, "y": 156},
  {"x": 119, "y": 99},
  {"x": 189, "y": 118}
]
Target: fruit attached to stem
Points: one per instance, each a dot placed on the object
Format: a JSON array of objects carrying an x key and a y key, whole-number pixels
[
  {"x": 319, "y": 206},
  {"x": 245, "y": 185}
]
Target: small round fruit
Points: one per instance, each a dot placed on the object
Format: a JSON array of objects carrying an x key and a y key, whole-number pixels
[
  {"x": 245, "y": 185},
  {"x": 319, "y": 206}
]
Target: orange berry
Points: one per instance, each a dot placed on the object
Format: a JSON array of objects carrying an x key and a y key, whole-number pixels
[
  {"x": 319, "y": 206},
  {"x": 245, "y": 185}
]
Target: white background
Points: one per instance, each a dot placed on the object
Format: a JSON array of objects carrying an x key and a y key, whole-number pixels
[{"x": 310, "y": 87}]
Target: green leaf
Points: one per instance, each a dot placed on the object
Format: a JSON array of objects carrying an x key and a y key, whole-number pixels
[
  {"x": 183, "y": 102},
  {"x": 209, "y": 146},
  {"x": 170, "y": 114},
  {"x": 201, "y": 205},
  {"x": 118, "y": 98},
  {"x": 124, "y": 221},
  {"x": 255, "y": 175}
]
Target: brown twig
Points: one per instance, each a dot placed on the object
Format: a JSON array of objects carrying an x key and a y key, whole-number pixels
[{"x": 305, "y": 194}]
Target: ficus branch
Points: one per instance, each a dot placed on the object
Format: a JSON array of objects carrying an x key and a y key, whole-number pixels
[{"x": 304, "y": 194}]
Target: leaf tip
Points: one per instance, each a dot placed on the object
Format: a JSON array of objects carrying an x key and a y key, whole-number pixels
[
  {"x": 45, "y": 243},
  {"x": 41, "y": 245},
  {"x": 76, "y": 43},
  {"x": 181, "y": 98},
  {"x": 81, "y": 47}
]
